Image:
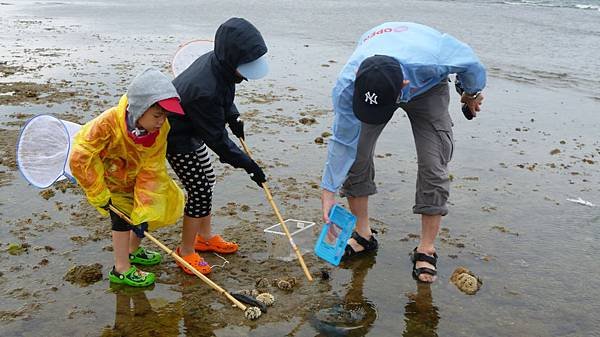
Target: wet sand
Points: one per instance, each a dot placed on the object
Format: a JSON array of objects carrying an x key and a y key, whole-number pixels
[{"x": 534, "y": 145}]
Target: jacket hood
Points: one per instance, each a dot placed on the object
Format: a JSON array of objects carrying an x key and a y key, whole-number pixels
[
  {"x": 237, "y": 41},
  {"x": 149, "y": 87}
]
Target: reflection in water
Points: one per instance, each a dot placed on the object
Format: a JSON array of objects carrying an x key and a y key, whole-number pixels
[
  {"x": 134, "y": 315},
  {"x": 420, "y": 315},
  {"x": 355, "y": 316}
]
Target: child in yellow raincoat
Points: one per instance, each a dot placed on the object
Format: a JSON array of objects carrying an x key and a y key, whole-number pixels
[{"x": 118, "y": 158}]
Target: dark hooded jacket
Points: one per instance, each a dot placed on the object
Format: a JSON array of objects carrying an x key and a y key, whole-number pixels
[{"x": 207, "y": 90}]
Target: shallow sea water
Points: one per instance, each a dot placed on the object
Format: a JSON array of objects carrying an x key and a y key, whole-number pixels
[{"x": 509, "y": 220}]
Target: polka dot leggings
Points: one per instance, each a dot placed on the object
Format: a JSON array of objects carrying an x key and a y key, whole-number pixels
[{"x": 195, "y": 172}]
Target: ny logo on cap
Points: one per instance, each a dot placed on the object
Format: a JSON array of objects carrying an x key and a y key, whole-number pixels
[{"x": 371, "y": 98}]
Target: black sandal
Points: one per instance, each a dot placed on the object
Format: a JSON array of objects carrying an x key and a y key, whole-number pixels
[
  {"x": 416, "y": 257},
  {"x": 370, "y": 245}
]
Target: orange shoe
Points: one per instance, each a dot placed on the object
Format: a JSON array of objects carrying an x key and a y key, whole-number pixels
[
  {"x": 215, "y": 244},
  {"x": 196, "y": 261}
]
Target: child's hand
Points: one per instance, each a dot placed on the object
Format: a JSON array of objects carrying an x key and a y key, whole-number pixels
[
  {"x": 256, "y": 173},
  {"x": 107, "y": 206}
]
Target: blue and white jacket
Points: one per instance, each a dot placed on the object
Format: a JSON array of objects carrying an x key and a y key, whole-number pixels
[{"x": 426, "y": 57}]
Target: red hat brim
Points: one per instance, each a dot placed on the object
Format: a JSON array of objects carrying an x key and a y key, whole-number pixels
[{"x": 172, "y": 105}]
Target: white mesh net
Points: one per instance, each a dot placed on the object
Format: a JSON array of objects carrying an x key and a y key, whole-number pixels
[
  {"x": 43, "y": 149},
  {"x": 188, "y": 53}
]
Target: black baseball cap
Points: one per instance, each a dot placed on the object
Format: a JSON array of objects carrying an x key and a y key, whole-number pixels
[{"x": 376, "y": 89}]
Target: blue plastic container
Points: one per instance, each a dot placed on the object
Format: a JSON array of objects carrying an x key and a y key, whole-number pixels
[{"x": 332, "y": 249}]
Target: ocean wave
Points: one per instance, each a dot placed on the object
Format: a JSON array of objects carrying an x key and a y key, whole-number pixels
[
  {"x": 560, "y": 4},
  {"x": 557, "y": 80},
  {"x": 530, "y": 3},
  {"x": 588, "y": 7}
]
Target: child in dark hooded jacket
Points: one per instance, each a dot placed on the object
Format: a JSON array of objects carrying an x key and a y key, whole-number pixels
[{"x": 207, "y": 91}]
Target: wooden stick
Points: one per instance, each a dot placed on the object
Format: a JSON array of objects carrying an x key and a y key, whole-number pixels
[
  {"x": 280, "y": 218},
  {"x": 182, "y": 261}
]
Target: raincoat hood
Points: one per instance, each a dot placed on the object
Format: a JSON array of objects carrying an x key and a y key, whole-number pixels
[
  {"x": 149, "y": 87},
  {"x": 237, "y": 41}
]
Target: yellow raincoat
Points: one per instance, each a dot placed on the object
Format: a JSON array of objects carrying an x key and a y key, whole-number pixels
[{"x": 109, "y": 165}]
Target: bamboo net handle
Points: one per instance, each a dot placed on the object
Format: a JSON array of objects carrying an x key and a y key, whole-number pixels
[
  {"x": 280, "y": 218},
  {"x": 182, "y": 261}
]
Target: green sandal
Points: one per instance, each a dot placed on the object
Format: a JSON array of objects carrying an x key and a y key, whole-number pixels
[
  {"x": 132, "y": 277},
  {"x": 145, "y": 257}
]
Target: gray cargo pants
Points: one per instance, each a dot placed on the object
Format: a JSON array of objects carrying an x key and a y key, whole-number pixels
[{"x": 432, "y": 131}]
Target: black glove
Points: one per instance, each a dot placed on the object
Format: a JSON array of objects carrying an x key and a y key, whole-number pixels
[
  {"x": 256, "y": 173},
  {"x": 237, "y": 127},
  {"x": 140, "y": 229}
]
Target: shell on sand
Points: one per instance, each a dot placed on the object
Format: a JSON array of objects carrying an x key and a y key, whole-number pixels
[
  {"x": 249, "y": 292},
  {"x": 466, "y": 281},
  {"x": 457, "y": 272},
  {"x": 285, "y": 283},
  {"x": 266, "y": 298},
  {"x": 262, "y": 283},
  {"x": 252, "y": 313}
]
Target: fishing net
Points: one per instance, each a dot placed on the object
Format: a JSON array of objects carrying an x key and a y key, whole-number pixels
[
  {"x": 187, "y": 53},
  {"x": 43, "y": 150}
]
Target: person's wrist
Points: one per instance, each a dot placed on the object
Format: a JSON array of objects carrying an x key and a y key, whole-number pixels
[
  {"x": 106, "y": 206},
  {"x": 327, "y": 195},
  {"x": 471, "y": 96}
]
